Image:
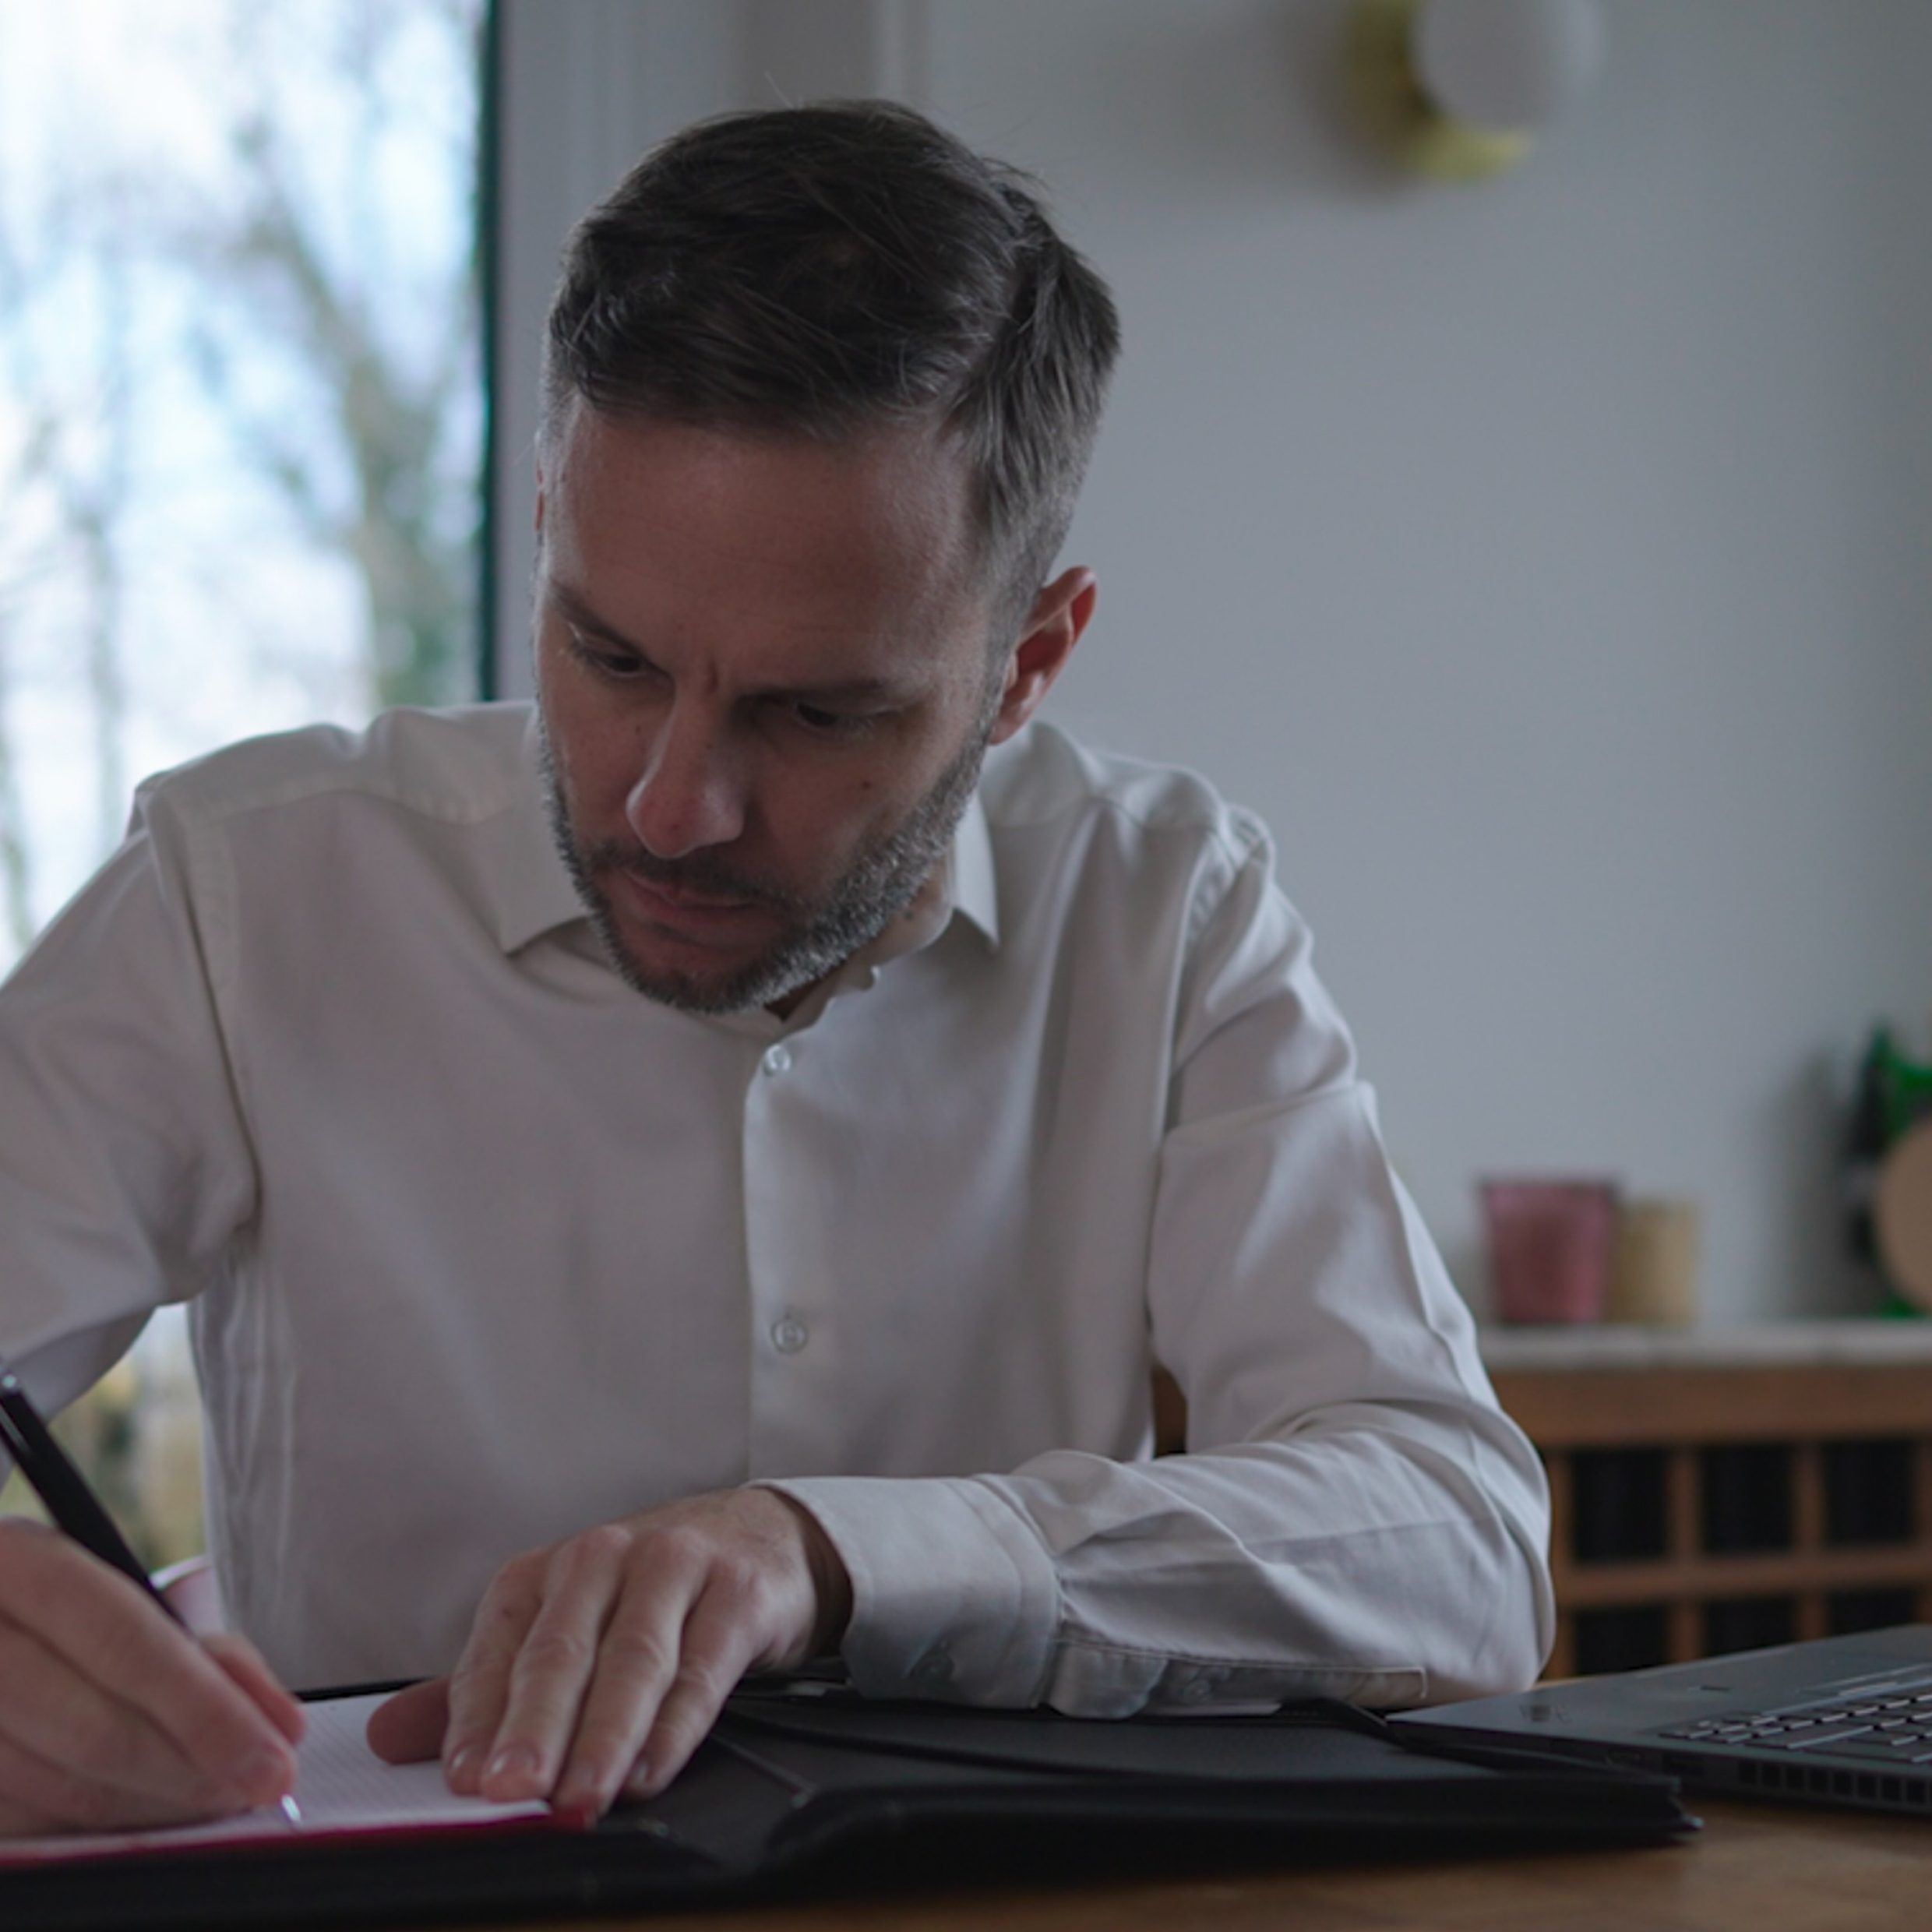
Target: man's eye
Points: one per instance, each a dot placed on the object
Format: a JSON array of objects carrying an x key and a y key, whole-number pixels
[
  {"x": 824, "y": 724},
  {"x": 606, "y": 660}
]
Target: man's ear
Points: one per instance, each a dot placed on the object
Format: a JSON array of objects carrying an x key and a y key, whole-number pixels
[{"x": 1060, "y": 612}]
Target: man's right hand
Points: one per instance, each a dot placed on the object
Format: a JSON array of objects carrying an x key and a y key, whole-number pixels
[{"x": 112, "y": 1717}]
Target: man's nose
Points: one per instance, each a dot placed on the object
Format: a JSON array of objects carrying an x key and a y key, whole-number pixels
[{"x": 688, "y": 794}]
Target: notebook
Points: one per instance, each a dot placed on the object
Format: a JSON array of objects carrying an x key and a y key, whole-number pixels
[
  {"x": 1841, "y": 1720},
  {"x": 806, "y": 1790},
  {"x": 342, "y": 1788}
]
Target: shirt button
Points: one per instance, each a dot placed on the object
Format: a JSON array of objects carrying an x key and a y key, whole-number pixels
[
  {"x": 789, "y": 1335},
  {"x": 1196, "y": 1691},
  {"x": 935, "y": 1668},
  {"x": 777, "y": 1059}
]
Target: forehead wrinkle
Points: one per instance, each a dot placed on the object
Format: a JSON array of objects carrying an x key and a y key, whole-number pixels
[
  {"x": 702, "y": 566},
  {"x": 915, "y": 476}
]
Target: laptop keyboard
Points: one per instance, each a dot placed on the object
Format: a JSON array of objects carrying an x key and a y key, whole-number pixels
[{"x": 1887, "y": 1724}]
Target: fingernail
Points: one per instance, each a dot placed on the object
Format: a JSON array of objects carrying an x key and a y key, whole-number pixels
[
  {"x": 262, "y": 1779},
  {"x": 513, "y": 1760},
  {"x": 577, "y": 1800},
  {"x": 459, "y": 1771}
]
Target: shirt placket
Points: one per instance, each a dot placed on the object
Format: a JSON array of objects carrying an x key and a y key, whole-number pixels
[{"x": 793, "y": 1325}]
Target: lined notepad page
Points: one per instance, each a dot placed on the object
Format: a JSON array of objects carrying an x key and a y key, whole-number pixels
[{"x": 340, "y": 1785}]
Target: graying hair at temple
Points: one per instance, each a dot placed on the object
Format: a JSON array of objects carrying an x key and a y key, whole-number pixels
[{"x": 828, "y": 270}]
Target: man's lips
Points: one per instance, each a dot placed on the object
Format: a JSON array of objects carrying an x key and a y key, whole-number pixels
[
  {"x": 684, "y": 896},
  {"x": 681, "y": 910}
]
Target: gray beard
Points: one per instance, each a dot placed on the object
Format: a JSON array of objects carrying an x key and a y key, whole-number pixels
[{"x": 821, "y": 937}]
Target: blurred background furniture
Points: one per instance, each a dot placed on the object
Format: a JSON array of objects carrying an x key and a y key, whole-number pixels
[{"x": 1715, "y": 1492}]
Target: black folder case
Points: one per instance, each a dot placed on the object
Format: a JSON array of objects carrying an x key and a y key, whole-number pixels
[{"x": 794, "y": 1797}]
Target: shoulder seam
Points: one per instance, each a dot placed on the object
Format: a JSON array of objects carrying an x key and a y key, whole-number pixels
[
  {"x": 209, "y": 800},
  {"x": 212, "y": 810}
]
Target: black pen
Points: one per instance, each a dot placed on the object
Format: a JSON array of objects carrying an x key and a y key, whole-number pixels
[{"x": 74, "y": 1508}]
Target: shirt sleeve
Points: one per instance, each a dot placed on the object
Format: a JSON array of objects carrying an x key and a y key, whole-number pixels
[
  {"x": 124, "y": 1169},
  {"x": 1353, "y": 1517}
]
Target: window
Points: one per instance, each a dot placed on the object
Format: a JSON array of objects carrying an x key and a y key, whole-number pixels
[{"x": 242, "y": 438}]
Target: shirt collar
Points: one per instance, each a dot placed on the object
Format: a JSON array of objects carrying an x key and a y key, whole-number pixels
[
  {"x": 975, "y": 885},
  {"x": 536, "y": 894}
]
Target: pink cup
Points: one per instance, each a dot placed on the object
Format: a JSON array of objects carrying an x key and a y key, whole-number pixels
[{"x": 1552, "y": 1246}]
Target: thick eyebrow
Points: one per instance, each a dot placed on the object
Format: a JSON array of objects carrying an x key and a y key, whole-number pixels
[
  {"x": 582, "y": 618},
  {"x": 576, "y": 610}
]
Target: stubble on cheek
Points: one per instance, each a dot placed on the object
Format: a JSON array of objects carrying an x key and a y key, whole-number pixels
[{"x": 814, "y": 930}]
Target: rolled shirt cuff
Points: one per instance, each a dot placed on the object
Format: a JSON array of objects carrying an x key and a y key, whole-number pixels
[{"x": 954, "y": 1596}]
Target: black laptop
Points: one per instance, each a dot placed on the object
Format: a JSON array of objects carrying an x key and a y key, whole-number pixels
[{"x": 1843, "y": 1720}]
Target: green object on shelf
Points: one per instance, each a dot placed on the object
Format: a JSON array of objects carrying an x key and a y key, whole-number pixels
[
  {"x": 1893, "y": 1094},
  {"x": 1903, "y": 1087}
]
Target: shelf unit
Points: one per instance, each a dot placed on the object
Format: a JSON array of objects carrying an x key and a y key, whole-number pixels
[{"x": 1717, "y": 1492}]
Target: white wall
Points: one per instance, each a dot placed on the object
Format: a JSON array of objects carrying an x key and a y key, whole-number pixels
[{"x": 1547, "y": 559}]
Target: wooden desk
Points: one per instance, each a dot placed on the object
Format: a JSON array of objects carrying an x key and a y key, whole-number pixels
[{"x": 1753, "y": 1869}]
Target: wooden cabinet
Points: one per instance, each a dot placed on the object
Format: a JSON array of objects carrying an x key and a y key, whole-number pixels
[{"x": 1717, "y": 1492}]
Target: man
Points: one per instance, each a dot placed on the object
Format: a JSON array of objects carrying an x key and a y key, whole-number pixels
[{"x": 697, "y": 1179}]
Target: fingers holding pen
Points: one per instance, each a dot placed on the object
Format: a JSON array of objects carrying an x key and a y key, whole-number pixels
[
  {"x": 219, "y": 1713},
  {"x": 72, "y": 1757},
  {"x": 137, "y": 1721},
  {"x": 38, "y": 1795},
  {"x": 248, "y": 1670}
]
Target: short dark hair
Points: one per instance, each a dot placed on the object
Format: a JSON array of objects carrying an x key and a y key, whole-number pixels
[{"x": 828, "y": 270}]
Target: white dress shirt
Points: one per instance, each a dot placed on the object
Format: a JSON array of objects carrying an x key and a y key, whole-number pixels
[{"x": 484, "y": 1249}]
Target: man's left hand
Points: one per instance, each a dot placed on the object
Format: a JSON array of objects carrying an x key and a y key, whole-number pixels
[{"x": 598, "y": 1665}]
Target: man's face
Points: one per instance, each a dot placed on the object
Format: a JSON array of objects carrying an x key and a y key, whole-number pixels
[{"x": 763, "y": 674}]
